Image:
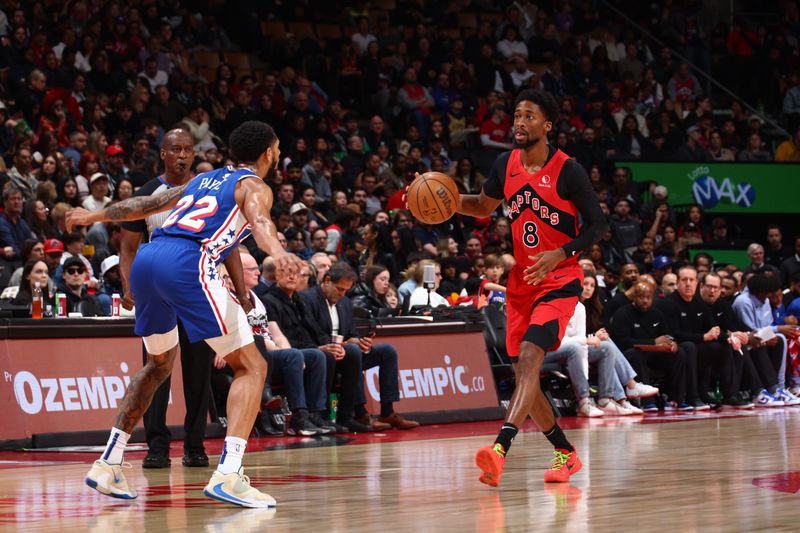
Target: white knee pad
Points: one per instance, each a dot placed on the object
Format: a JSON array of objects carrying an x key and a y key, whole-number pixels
[
  {"x": 234, "y": 340},
  {"x": 159, "y": 343}
]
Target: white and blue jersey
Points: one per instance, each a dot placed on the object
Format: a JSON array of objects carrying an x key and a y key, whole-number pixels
[
  {"x": 207, "y": 213},
  {"x": 175, "y": 275}
]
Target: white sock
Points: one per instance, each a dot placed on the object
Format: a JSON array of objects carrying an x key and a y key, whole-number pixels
[
  {"x": 117, "y": 441},
  {"x": 232, "y": 452}
]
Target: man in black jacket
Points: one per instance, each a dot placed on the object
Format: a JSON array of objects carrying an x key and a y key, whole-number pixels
[
  {"x": 333, "y": 311},
  {"x": 641, "y": 324},
  {"x": 298, "y": 324},
  {"x": 629, "y": 276},
  {"x": 690, "y": 322},
  {"x": 756, "y": 367}
]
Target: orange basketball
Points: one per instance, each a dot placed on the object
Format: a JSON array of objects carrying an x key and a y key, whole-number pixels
[{"x": 433, "y": 198}]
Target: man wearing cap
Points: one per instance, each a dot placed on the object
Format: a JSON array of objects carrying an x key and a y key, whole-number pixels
[
  {"x": 115, "y": 163},
  {"x": 693, "y": 149},
  {"x": 299, "y": 214},
  {"x": 53, "y": 250},
  {"x": 71, "y": 283},
  {"x": 112, "y": 283},
  {"x": 662, "y": 265},
  {"x": 177, "y": 152},
  {"x": 98, "y": 189}
]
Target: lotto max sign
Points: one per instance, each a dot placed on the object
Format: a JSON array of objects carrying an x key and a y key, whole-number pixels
[
  {"x": 438, "y": 372},
  {"x": 726, "y": 187},
  {"x": 65, "y": 385}
]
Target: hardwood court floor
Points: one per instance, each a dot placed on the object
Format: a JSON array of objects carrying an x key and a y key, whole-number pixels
[{"x": 691, "y": 473}]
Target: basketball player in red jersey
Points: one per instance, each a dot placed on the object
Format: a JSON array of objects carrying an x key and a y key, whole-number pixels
[{"x": 546, "y": 192}]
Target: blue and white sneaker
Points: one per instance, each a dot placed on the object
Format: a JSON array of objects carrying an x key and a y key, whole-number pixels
[
  {"x": 650, "y": 407},
  {"x": 765, "y": 399},
  {"x": 675, "y": 406},
  {"x": 108, "y": 479},
  {"x": 235, "y": 489},
  {"x": 787, "y": 397}
]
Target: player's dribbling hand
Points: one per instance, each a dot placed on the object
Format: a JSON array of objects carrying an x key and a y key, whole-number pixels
[
  {"x": 77, "y": 217},
  {"x": 543, "y": 264},
  {"x": 405, "y": 191}
]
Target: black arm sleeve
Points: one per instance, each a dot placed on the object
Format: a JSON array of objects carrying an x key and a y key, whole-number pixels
[
  {"x": 494, "y": 185},
  {"x": 574, "y": 185}
]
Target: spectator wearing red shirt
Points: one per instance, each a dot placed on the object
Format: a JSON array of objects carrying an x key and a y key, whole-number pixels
[{"x": 495, "y": 132}]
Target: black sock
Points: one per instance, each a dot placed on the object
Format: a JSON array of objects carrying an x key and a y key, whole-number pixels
[
  {"x": 387, "y": 409},
  {"x": 506, "y": 435},
  {"x": 558, "y": 439},
  {"x": 360, "y": 410}
]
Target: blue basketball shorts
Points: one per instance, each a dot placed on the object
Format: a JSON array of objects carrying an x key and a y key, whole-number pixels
[{"x": 172, "y": 277}]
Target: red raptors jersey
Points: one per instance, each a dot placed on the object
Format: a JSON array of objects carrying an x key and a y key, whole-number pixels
[{"x": 540, "y": 219}]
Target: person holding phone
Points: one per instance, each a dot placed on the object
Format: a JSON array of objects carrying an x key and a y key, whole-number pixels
[{"x": 333, "y": 311}]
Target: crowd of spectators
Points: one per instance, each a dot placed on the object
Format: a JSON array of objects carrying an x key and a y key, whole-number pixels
[{"x": 364, "y": 96}]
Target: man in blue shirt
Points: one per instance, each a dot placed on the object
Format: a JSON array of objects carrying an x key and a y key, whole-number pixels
[
  {"x": 13, "y": 229},
  {"x": 754, "y": 310}
]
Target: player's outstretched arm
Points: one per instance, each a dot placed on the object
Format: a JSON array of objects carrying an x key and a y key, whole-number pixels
[
  {"x": 255, "y": 200},
  {"x": 133, "y": 208}
]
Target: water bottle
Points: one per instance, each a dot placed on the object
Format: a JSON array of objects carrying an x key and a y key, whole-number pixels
[{"x": 36, "y": 301}]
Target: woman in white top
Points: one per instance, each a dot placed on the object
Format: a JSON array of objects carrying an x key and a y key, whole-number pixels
[
  {"x": 98, "y": 197},
  {"x": 511, "y": 46},
  {"x": 574, "y": 354}
]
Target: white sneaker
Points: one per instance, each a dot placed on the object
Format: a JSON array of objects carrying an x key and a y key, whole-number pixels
[
  {"x": 795, "y": 391},
  {"x": 630, "y": 407},
  {"x": 787, "y": 397},
  {"x": 765, "y": 399},
  {"x": 108, "y": 479},
  {"x": 235, "y": 488},
  {"x": 640, "y": 390},
  {"x": 587, "y": 408},
  {"x": 612, "y": 408}
]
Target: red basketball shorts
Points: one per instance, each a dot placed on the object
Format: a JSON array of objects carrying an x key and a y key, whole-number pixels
[{"x": 539, "y": 313}]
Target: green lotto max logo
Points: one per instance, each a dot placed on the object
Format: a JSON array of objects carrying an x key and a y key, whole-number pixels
[{"x": 710, "y": 192}]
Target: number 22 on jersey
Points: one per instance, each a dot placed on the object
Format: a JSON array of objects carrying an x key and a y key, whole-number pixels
[{"x": 190, "y": 214}]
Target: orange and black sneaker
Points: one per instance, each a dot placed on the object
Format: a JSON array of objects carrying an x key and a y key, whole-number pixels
[
  {"x": 491, "y": 459},
  {"x": 564, "y": 465}
]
